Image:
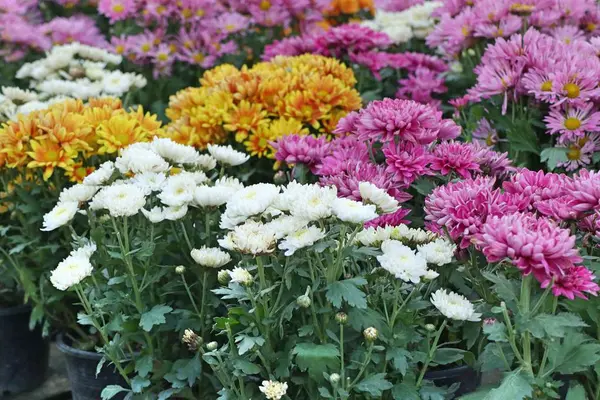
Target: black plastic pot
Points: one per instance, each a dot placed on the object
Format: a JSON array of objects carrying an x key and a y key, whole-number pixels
[
  {"x": 23, "y": 353},
  {"x": 468, "y": 378},
  {"x": 81, "y": 369}
]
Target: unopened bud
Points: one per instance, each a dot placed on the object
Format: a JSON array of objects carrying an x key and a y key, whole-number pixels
[
  {"x": 180, "y": 269},
  {"x": 430, "y": 327},
  {"x": 334, "y": 378},
  {"x": 77, "y": 71},
  {"x": 212, "y": 346},
  {"x": 341, "y": 318},
  {"x": 370, "y": 334},
  {"x": 303, "y": 301},
  {"x": 503, "y": 304},
  {"x": 280, "y": 178},
  {"x": 191, "y": 339},
  {"x": 223, "y": 277}
]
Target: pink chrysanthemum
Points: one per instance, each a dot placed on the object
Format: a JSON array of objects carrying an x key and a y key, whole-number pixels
[
  {"x": 461, "y": 208},
  {"x": 535, "y": 186},
  {"x": 575, "y": 282},
  {"x": 407, "y": 161},
  {"x": 584, "y": 190},
  {"x": 572, "y": 123},
  {"x": 580, "y": 152},
  {"x": 491, "y": 162},
  {"x": 453, "y": 34},
  {"x": 351, "y": 38},
  {"x": 300, "y": 149},
  {"x": 485, "y": 134},
  {"x": 78, "y": 28},
  {"x": 534, "y": 245},
  {"x": 455, "y": 157},
  {"x": 394, "y": 219},
  {"x": 292, "y": 46},
  {"x": 117, "y": 10},
  {"x": 421, "y": 86}
]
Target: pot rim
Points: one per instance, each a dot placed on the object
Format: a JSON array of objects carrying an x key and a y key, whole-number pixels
[
  {"x": 65, "y": 348},
  {"x": 20, "y": 309}
]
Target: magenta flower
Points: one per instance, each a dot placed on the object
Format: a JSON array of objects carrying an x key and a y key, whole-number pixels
[
  {"x": 407, "y": 161},
  {"x": 584, "y": 190},
  {"x": 292, "y": 46},
  {"x": 455, "y": 157},
  {"x": 576, "y": 281},
  {"x": 534, "y": 245},
  {"x": 421, "y": 86},
  {"x": 492, "y": 163},
  {"x": 485, "y": 134},
  {"x": 580, "y": 152},
  {"x": 536, "y": 186},
  {"x": 78, "y": 28},
  {"x": 117, "y": 10},
  {"x": 394, "y": 219},
  {"x": 300, "y": 149},
  {"x": 572, "y": 123},
  {"x": 453, "y": 33},
  {"x": 351, "y": 38}
]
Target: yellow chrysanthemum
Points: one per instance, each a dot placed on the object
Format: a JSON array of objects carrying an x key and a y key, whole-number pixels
[
  {"x": 245, "y": 118},
  {"x": 258, "y": 144},
  {"x": 118, "y": 132},
  {"x": 78, "y": 172},
  {"x": 48, "y": 154}
]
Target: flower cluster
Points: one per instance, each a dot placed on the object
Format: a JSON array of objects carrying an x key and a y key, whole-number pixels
[
  {"x": 199, "y": 32},
  {"x": 67, "y": 134},
  {"x": 463, "y": 22},
  {"x": 79, "y": 71},
  {"x": 23, "y": 30},
  {"x": 402, "y": 26},
  {"x": 258, "y": 105}
]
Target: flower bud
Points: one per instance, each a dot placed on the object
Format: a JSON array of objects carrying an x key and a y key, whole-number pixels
[
  {"x": 334, "y": 378},
  {"x": 303, "y": 301},
  {"x": 223, "y": 277},
  {"x": 77, "y": 71},
  {"x": 370, "y": 334},
  {"x": 503, "y": 304},
  {"x": 191, "y": 339},
  {"x": 280, "y": 178},
  {"x": 212, "y": 346},
  {"x": 341, "y": 318},
  {"x": 430, "y": 327},
  {"x": 180, "y": 270}
]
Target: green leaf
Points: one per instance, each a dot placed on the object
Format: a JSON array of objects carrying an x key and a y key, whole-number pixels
[
  {"x": 514, "y": 387},
  {"x": 523, "y": 138},
  {"x": 138, "y": 384},
  {"x": 110, "y": 391},
  {"x": 316, "y": 358},
  {"x": 554, "y": 155},
  {"x": 576, "y": 392},
  {"x": 375, "y": 385},
  {"x": 405, "y": 391},
  {"x": 554, "y": 325},
  {"x": 446, "y": 356},
  {"x": 156, "y": 316},
  {"x": 246, "y": 367},
  {"x": 325, "y": 393},
  {"x": 165, "y": 394},
  {"x": 496, "y": 332},
  {"x": 143, "y": 365},
  {"x": 506, "y": 290},
  {"x": 494, "y": 355},
  {"x": 247, "y": 343},
  {"x": 84, "y": 319},
  {"x": 399, "y": 359},
  {"x": 431, "y": 392},
  {"x": 189, "y": 370},
  {"x": 424, "y": 186},
  {"x": 574, "y": 353},
  {"x": 347, "y": 290}
]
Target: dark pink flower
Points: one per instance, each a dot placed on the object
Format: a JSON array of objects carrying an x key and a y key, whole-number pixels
[
  {"x": 304, "y": 149},
  {"x": 460, "y": 158},
  {"x": 584, "y": 190},
  {"x": 407, "y": 161},
  {"x": 394, "y": 219},
  {"x": 575, "y": 282}
]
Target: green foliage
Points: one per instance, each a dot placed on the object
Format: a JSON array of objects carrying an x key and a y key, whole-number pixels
[{"x": 347, "y": 290}]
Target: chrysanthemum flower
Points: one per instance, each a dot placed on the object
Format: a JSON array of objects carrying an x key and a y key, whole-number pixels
[
  {"x": 455, "y": 157},
  {"x": 307, "y": 150},
  {"x": 407, "y": 161},
  {"x": 572, "y": 123}
]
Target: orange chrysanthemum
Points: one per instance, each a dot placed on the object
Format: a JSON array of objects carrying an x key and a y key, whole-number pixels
[
  {"x": 48, "y": 154},
  {"x": 118, "y": 132}
]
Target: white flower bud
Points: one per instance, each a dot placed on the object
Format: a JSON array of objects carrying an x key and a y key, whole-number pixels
[
  {"x": 212, "y": 346},
  {"x": 370, "y": 334}
]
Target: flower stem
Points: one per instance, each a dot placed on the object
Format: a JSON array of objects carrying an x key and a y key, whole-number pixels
[
  {"x": 525, "y": 308},
  {"x": 431, "y": 353}
]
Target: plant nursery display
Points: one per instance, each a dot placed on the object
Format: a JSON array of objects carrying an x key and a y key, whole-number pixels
[{"x": 301, "y": 200}]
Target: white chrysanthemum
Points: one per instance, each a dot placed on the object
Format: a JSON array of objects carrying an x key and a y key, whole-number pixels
[
  {"x": 402, "y": 261},
  {"x": 206, "y": 162},
  {"x": 78, "y": 193},
  {"x": 98, "y": 54},
  {"x": 175, "y": 152},
  {"x": 372, "y": 194},
  {"x": 82, "y": 88},
  {"x": 32, "y": 106},
  {"x": 374, "y": 236},
  {"x": 120, "y": 199},
  {"x": 273, "y": 390},
  {"x": 229, "y": 222},
  {"x": 59, "y": 57},
  {"x": 138, "y": 158},
  {"x": 230, "y": 182},
  {"x": 85, "y": 251},
  {"x": 399, "y": 33},
  {"x": 175, "y": 213},
  {"x": 227, "y": 155},
  {"x": 251, "y": 200},
  {"x": 241, "y": 276},
  {"x": 177, "y": 190},
  {"x": 250, "y": 238},
  {"x": 210, "y": 257},
  {"x": 285, "y": 225},
  {"x": 212, "y": 196},
  {"x": 60, "y": 215},
  {"x": 353, "y": 211},
  {"x": 155, "y": 215},
  {"x": 313, "y": 202},
  {"x": 101, "y": 175},
  {"x": 430, "y": 275},
  {"x": 71, "y": 271},
  {"x": 198, "y": 177},
  {"x": 116, "y": 83},
  {"x": 454, "y": 306},
  {"x": 150, "y": 181},
  {"x": 301, "y": 238},
  {"x": 18, "y": 95},
  {"x": 438, "y": 252}
]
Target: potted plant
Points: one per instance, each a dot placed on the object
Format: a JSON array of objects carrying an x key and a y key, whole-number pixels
[{"x": 40, "y": 153}]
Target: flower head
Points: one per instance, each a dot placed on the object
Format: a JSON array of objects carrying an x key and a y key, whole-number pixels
[
  {"x": 303, "y": 237},
  {"x": 273, "y": 390},
  {"x": 454, "y": 306},
  {"x": 402, "y": 262},
  {"x": 210, "y": 257},
  {"x": 60, "y": 215}
]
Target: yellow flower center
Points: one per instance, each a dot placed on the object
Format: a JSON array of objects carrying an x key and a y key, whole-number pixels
[
  {"x": 200, "y": 12},
  {"x": 120, "y": 49},
  {"x": 118, "y": 8},
  {"x": 198, "y": 57},
  {"x": 262, "y": 143},
  {"x": 187, "y": 13},
  {"x": 163, "y": 56},
  {"x": 161, "y": 9},
  {"x": 546, "y": 86},
  {"x": 574, "y": 153},
  {"x": 265, "y": 5},
  {"x": 188, "y": 44},
  {"x": 572, "y": 123},
  {"x": 572, "y": 90},
  {"x": 146, "y": 47},
  {"x": 499, "y": 32},
  {"x": 229, "y": 28},
  {"x": 465, "y": 30},
  {"x": 591, "y": 27}
]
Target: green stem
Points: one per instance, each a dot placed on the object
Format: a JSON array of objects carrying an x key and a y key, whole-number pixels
[
  {"x": 511, "y": 335},
  {"x": 363, "y": 367},
  {"x": 203, "y": 301},
  {"x": 261, "y": 273},
  {"x": 525, "y": 308},
  {"x": 431, "y": 352},
  {"x": 343, "y": 369},
  {"x": 189, "y": 292}
]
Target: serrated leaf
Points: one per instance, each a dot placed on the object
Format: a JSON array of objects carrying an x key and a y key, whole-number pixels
[
  {"x": 496, "y": 332},
  {"x": 189, "y": 370},
  {"x": 246, "y": 367},
  {"x": 165, "y": 394},
  {"x": 375, "y": 385},
  {"x": 138, "y": 384},
  {"x": 405, "y": 391},
  {"x": 514, "y": 387},
  {"x": 447, "y": 356},
  {"x": 110, "y": 391},
  {"x": 432, "y": 392},
  {"x": 348, "y": 291},
  {"x": 555, "y": 325},
  {"x": 156, "y": 316},
  {"x": 246, "y": 343},
  {"x": 316, "y": 358},
  {"x": 552, "y": 156},
  {"x": 494, "y": 355},
  {"x": 324, "y": 392},
  {"x": 576, "y": 392},
  {"x": 399, "y": 358},
  {"x": 574, "y": 353},
  {"x": 143, "y": 365}
]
